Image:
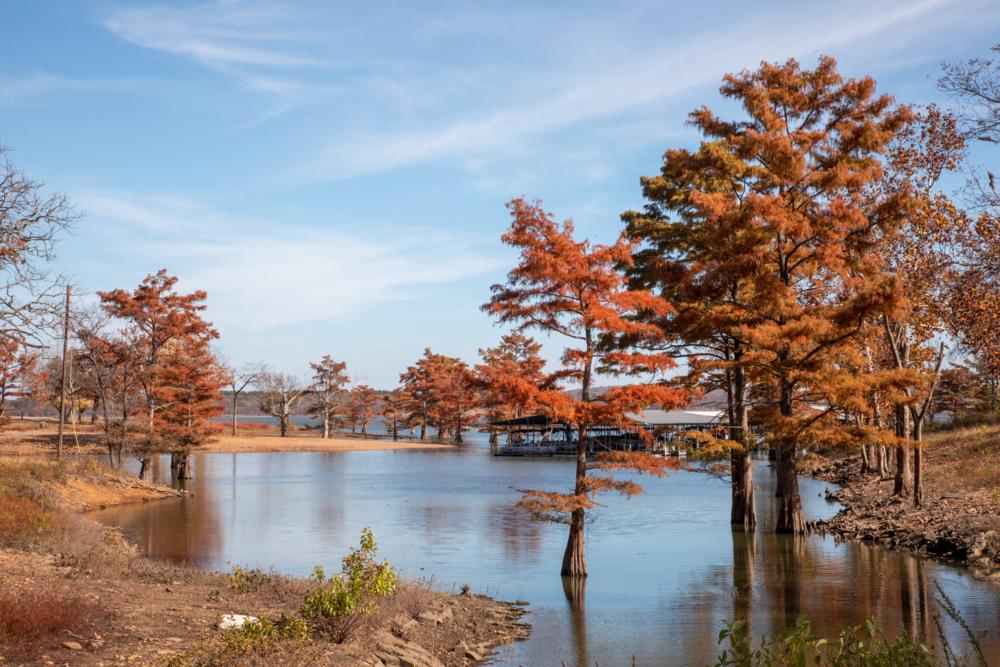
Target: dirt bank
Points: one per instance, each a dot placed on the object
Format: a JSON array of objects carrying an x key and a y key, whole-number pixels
[
  {"x": 959, "y": 520},
  {"x": 75, "y": 593},
  {"x": 39, "y": 437}
]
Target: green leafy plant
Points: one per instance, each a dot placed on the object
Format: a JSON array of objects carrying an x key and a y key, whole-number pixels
[
  {"x": 862, "y": 645},
  {"x": 342, "y": 601},
  {"x": 246, "y": 579}
]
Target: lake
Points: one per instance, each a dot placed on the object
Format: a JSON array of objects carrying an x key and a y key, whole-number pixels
[{"x": 665, "y": 568}]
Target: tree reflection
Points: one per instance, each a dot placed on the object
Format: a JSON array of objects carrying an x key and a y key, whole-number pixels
[{"x": 575, "y": 589}]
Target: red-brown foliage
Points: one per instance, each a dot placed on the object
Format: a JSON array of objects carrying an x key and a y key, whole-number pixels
[{"x": 32, "y": 620}]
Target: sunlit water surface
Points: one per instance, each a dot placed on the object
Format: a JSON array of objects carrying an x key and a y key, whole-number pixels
[{"x": 665, "y": 568}]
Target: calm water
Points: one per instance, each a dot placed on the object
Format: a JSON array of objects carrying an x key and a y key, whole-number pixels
[{"x": 665, "y": 568}]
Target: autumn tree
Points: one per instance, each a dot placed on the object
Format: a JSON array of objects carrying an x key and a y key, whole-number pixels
[
  {"x": 16, "y": 368},
  {"x": 156, "y": 317},
  {"x": 329, "y": 384},
  {"x": 577, "y": 290},
  {"x": 362, "y": 402},
  {"x": 920, "y": 255},
  {"x": 456, "y": 398},
  {"x": 392, "y": 412},
  {"x": 280, "y": 394},
  {"x": 189, "y": 397},
  {"x": 515, "y": 355},
  {"x": 416, "y": 385},
  {"x": 238, "y": 380},
  {"x": 786, "y": 185}
]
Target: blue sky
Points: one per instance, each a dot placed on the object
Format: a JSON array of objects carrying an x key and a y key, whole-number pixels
[{"x": 334, "y": 174}]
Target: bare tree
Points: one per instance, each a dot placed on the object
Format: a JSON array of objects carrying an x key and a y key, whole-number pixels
[
  {"x": 281, "y": 393},
  {"x": 238, "y": 380},
  {"x": 29, "y": 224}
]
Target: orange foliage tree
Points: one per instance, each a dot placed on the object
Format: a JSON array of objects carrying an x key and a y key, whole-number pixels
[
  {"x": 453, "y": 396},
  {"x": 787, "y": 182},
  {"x": 16, "y": 369},
  {"x": 190, "y": 380},
  {"x": 515, "y": 356},
  {"x": 577, "y": 289},
  {"x": 920, "y": 255},
  {"x": 362, "y": 402},
  {"x": 157, "y": 317}
]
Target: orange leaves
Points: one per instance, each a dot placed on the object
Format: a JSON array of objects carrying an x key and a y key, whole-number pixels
[
  {"x": 640, "y": 462},
  {"x": 552, "y": 506}
]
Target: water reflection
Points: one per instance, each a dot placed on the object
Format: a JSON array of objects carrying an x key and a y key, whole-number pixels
[{"x": 666, "y": 569}]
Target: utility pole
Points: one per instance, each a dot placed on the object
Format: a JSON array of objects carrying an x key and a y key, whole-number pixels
[{"x": 65, "y": 376}]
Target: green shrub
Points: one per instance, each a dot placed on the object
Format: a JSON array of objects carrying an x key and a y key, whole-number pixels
[
  {"x": 258, "y": 636},
  {"x": 249, "y": 579},
  {"x": 863, "y": 645},
  {"x": 340, "y": 603}
]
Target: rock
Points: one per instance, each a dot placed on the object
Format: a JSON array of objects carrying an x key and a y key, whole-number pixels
[
  {"x": 230, "y": 621},
  {"x": 394, "y": 651},
  {"x": 474, "y": 656},
  {"x": 175, "y": 640},
  {"x": 431, "y": 617},
  {"x": 520, "y": 603},
  {"x": 73, "y": 646}
]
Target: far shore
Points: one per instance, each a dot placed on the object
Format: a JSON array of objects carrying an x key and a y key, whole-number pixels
[
  {"x": 38, "y": 436},
  {"x": 274, "y": 443}
]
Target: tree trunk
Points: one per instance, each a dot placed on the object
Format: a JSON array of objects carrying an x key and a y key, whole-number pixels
[
  {"x": 574, "y": 559},
  {"x": 883, "y": 462},
  {"x": 182, "y": 470},
  {"x": 866, "y": 465},
  {"x": 902, "y": 485},
  {"x": 283, "y": 424},
  {"x": 235, "y": 397},
  {"x": 790, "y": 517},
  {"x": 744, "y": 511},
  {"x": 146, "y": 469},
  {"x": 918, "y": 460}
]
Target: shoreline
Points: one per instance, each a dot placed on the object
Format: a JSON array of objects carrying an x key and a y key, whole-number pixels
[
  {"x": 126, "y": 609},
  {"x": 228, "y": 444},
  {"x": 27, "y": 442},
  {"x": 962, "y": 530}
]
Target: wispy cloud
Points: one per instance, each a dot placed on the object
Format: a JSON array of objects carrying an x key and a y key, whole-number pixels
[
  {"x": 215, "y": 33},
  {"x": 642, "y": 80},
  {"x": 28, "y": 87},
  {"x": 262, "y": 274}
]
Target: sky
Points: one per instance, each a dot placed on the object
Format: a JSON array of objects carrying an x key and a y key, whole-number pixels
[{"x": 334, "y": 174}]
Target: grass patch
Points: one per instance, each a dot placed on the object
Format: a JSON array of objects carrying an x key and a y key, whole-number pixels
[{"x": 33, "y": 620}]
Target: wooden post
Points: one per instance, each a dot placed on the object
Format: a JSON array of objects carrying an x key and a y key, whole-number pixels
[{"x": 65, "y": 368}]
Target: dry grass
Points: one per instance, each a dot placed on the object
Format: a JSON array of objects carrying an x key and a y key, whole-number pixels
[
  {"x": 964, "y": 460},
  {"x": 31, "y": 619}
]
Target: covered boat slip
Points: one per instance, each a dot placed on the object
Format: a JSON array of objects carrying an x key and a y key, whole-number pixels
[{"x": 537, "y": 435}]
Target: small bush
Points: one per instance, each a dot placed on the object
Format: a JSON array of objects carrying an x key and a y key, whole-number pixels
[
  {"x": 258, "y": 636},
  {"x": 860, "y": 645},
  {"x": 32, "y": 620},
  {"x": 24, "y": 520},
  {"x": 249, "y": 579},
  {"x": 342, "y": 602}
]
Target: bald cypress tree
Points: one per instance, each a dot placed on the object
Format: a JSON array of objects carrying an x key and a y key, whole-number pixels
[{"x": 763, "y": 236}]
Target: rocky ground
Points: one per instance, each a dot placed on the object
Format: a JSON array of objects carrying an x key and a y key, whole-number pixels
[
  {"x": 75, "y": 593},
  {"x": 959, "y": 520}
]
